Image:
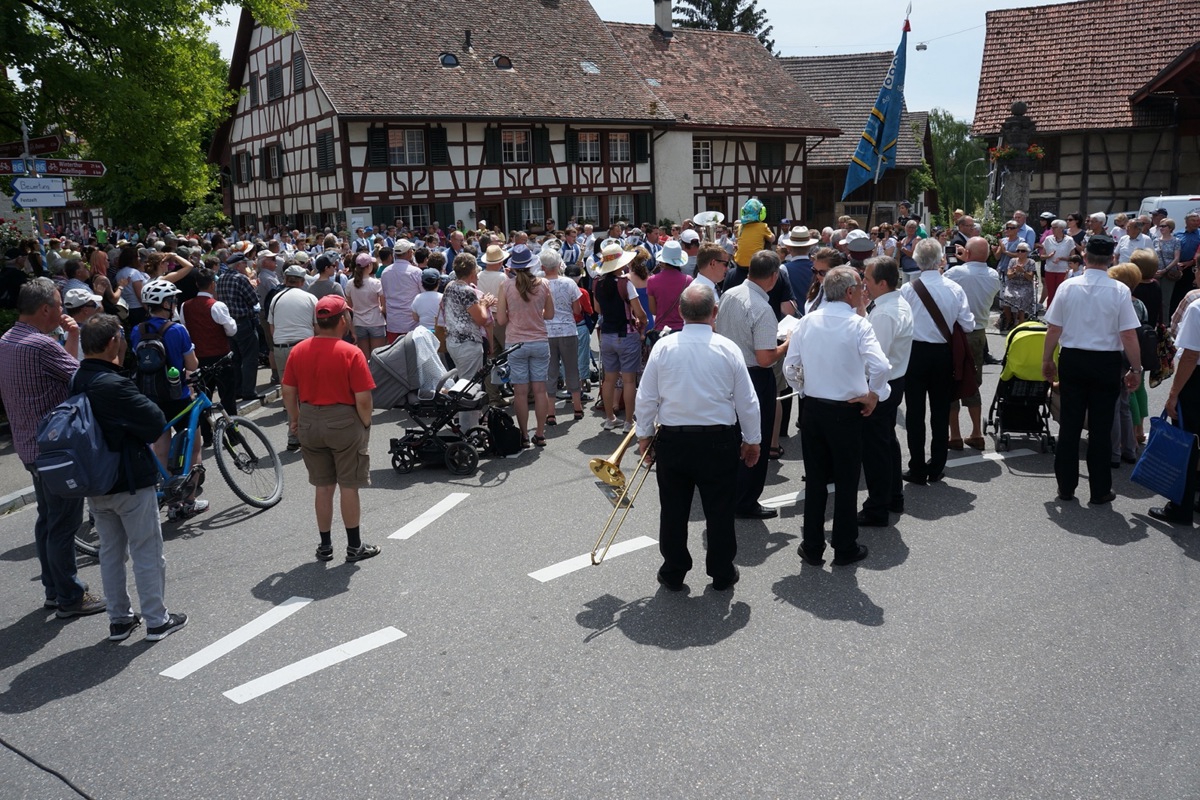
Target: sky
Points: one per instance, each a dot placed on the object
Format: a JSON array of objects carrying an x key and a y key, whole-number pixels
[{"x": 946, "y": 75}]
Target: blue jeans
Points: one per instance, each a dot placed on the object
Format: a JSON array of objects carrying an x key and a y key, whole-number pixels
[
  {"x": 58, "y": 518},
  {"x": 585, "y": 351},
  {"x": 530, "y": 363}
]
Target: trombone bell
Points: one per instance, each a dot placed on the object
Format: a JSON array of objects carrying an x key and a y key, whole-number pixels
[
  {"x": 609, "y": 472},
  {"x": 608, "y": 469}
]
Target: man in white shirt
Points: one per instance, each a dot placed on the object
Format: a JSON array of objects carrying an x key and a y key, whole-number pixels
[
  {"x": 291, "y": 314},
  {"x": 845, "y": 376},
  {"x": 689, "y": 240},
  {"x": 686, "y": 389},
  {"x": 712, "y": 263},
  {"x": 401, "y": 284},
  {"x": 981, "y": 284},
  {"x": 930, "y": 371},
  {"x": 1093, "y": 319},
  {"x": 891, "y": 319}
]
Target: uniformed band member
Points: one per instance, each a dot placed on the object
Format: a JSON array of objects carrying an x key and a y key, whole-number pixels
[
  {"x": 845, "y": 376},
  {"x": 1185, "y": 396},
  {"x": 1093, "y": 319},
  {"x": 697, "y": 389},
  {"x": 891, "y": 318}
]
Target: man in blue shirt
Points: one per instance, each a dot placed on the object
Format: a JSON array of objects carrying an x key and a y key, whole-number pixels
[
  {"x": 799, "y": 241},
  {"x": 1189, "y": 243},
  {"x": 1024, "y": 231}
]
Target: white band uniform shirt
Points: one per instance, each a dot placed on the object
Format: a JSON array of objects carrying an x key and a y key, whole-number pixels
[
  {"x": 700, "y": 280},
  {"x": 683, "y": 384},
  {"x": 1092, "y": 310},
  {"x": 833, "y": 344},
  {"x": 980, "y": 283},
  {"x": 1188, "y": 337},
  {"x": 892, "y": 319},
  {"x": 948, "y": 296}
]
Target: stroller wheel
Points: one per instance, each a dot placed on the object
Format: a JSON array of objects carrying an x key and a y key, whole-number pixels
[
  {"x": 461, "y": 458},
  {"x": 480, "y": 438},
  {"x": 404, "y": 460}
]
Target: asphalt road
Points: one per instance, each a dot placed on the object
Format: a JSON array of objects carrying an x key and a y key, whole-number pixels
[{"x": 996, "y": 644}]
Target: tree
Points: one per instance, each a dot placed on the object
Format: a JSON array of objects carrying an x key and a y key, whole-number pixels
[
  {"x": 743, "y": 16},
  {"x": 135, "y": 84},
  {"x": 955, "y": 152}
]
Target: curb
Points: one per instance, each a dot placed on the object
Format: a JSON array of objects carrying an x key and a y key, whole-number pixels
[{"x": 25, "y": 497}]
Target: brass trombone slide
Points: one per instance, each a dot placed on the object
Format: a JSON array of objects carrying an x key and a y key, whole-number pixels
[{"x": 609, "y": 471}]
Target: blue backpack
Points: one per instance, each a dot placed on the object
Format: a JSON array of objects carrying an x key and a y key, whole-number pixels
[{"x": 73, "y": 458}]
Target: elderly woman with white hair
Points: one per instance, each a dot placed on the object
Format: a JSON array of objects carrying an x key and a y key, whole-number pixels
[
  {"x": 562, "y": 332},
  {"x": 1056, "y": 255}
]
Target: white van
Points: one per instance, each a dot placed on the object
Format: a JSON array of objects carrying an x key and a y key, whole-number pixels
[{"x": 1177, "y": 206}]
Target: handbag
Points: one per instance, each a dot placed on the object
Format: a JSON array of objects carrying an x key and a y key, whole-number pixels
[
  {"x": 1164, "y": 463},
  {"x": 966, "y": 382},
  {"x": 440, "y": 330},
  {"x": 1165, "y": 366}
]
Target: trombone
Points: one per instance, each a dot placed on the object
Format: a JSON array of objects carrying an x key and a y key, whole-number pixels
[{"x": 609, "y": 471}]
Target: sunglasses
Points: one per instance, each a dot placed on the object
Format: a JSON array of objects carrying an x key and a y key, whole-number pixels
[{"x": 820, "y": 271}]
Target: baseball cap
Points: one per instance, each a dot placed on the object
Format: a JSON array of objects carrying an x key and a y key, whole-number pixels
[
  {"x": 78, "y": 298},
  {"x": 330, "y": 306},
  {"x": 857, "y": 241},
  {"x": 689, "y": 236},
  {"x": 295, "y": 271},
  {"x": 1162, "y": 211},
  {"x": 430, "y": 278}
]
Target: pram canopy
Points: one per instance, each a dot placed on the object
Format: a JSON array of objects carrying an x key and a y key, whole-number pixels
[
  {"x": 1023, "y": 352},
  {"x": 407, "y": 370}
]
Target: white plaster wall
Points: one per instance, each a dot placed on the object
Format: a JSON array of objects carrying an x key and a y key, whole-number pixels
[{"x": 673, "y": 183}]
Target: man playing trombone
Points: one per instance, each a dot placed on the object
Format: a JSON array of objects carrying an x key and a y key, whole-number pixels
[{"x": 686, "y": 390}]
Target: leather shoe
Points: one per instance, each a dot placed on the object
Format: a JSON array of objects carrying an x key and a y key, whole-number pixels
[
  {"x": 897, "y": 506},
  {"x": 1171, "y": 513},
  {"x": 936, "y": 478},
  {"x": 911, "y": 477},
  {"x": 757, "y": 512},
  {"x": 675, "y": 586},
  {"x": 976, "y": 442},
  {"x": 955, "y": 444},
  {"x": 1065, "y": 496},
  {"x": 810, "y": 559},
  {"x": 858, "y": 554},
  {"x": 728, "y": 583},
  {"x": 866, "y": 520},
  {"x": 1102, "y": 499}
]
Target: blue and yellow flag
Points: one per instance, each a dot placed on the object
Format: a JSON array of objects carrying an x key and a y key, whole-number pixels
[{"x": 876, "y": 151}]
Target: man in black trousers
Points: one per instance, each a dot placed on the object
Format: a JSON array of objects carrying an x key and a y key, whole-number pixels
[{"x": 702, "y": 437}]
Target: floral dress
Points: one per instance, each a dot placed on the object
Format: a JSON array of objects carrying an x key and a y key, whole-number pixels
[{"x": 1017, "y": 293}]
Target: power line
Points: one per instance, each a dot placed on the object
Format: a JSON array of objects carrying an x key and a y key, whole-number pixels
[{"x": 870, "y": 44}]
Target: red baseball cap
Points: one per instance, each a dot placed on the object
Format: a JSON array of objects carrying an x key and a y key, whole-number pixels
[{"x": 330, "y": 306}]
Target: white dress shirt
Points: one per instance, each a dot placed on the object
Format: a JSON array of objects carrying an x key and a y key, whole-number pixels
[
  {"x": 892, "y": 319},
  {"x": 697, "y": 377},
  {"x": 1092, "y": 311},
  {"x": 220, "y": 315},
  {"x": 839, "y": 354},
  {"x": 981, "y": 284},
  {"x": 1188, "y": 337},
  {"x": 950, "y": 299},
  {"x": 700, "y": 280}
]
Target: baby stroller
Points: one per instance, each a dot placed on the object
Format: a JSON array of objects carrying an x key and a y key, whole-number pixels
[
  {"x": 409, "y": 375},
  {"x": 1022, "y": 402}
]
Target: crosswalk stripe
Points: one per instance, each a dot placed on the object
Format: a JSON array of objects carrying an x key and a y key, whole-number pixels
[
  {"x": 228, "y": 644},
  {"x": 585, "y": 560},
  {"x": 431, "y": 515},
  {"x": 315, "y": 663}
]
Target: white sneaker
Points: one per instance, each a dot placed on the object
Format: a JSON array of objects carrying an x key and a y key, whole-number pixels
[
  {"x": 627, "y": 427},
  {"x": 610, "y": 424}
]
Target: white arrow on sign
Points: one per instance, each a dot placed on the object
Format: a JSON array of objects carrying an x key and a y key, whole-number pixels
[
  {"x": 40, "y": 199},
  {"x": 38, "y": 184}
]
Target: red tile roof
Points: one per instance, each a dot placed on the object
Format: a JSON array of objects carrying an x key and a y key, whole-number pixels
[
  {"x": 846, "y": 86},
  {"x": 1082, "y": 76},
  {"x": 719, "y": 79}
]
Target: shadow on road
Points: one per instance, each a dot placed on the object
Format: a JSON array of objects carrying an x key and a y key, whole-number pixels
[
  {"x": 23, "y": 553},
  {"x": 28, "y": 635},
  {"x": 670, "y": 620},
  {"x": 1098, "y": 522},
  {"x": 68, "y": 674},
  {"x": 829, "y": 594},
  {"x": 316, "y": 579}
]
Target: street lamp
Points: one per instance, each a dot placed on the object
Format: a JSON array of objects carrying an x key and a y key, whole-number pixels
[{"x": 965, "y": 166}]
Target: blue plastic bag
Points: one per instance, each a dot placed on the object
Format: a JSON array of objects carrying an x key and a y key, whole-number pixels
[{"x": 1164, "y": 463}]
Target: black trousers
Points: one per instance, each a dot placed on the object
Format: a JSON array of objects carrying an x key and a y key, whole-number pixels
[
  {"x": 1090, "y": 382},
  {"x": 831, "y": 440},
  {"x": 245, "y": 358},
  {"x": 226, "y": 383},
  {"x": 930, "y": 376},
  {"x": 881, "y": 455},
  {"x": 1189, "y": 408},
  {"x": 751, "y": 480},
  {"x": 685, "y": 462}
]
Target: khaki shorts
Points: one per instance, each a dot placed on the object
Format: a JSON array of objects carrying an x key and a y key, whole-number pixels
[
  {"x": 977, "y": 339},
  {"x": 335, "y": 446}
]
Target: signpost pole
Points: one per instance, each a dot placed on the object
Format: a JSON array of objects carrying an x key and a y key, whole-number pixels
[{"x": 29, "y": 165}]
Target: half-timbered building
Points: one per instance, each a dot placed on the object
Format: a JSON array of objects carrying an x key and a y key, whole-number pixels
[{"x": 1114, "y": 91}]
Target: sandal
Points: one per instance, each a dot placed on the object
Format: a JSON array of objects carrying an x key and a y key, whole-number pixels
[
  {"x": 540, "y": 441},
  {"x": 524, "y": 443},
  {"x": 579, "y": 413},
  {"x": 955, "y": 444},
  {"x": 774, "y": 453},
  {"x": 551, "y": 420}
]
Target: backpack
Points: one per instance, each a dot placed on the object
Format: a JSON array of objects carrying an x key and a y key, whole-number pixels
[
  {"x": 1148, "y": 344},
  {"x": 152, "y": 364},
  {"x": 73, "y": 459},
  {"x": 506, "y": 439}
]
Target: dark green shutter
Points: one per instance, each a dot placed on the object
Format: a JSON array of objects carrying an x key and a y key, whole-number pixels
[
  {"x": 492, "y": 152},
  {"x": 643, "y": 207},
  {"x": 443, "y": 213},
  {"x": 439, "y": 150},
  {"x": 298, "y": 72},
  {"x": 641, "y": 146},
  {"x": 264, "y": 168},
  {"x": 572, "y": 147},
  {"x": 514, "y": 216},
  {"x": 377, "y": 147},
  {"x": 566, "y": 205},
  {"x": 279, "y": 150},
  {"x": 541, "y": 146}
]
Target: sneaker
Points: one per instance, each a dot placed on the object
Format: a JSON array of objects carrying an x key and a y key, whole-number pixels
[
  {"x": 324, "y": 553},
  {"x": 50, "y": 604},
  {"x": 610, "y": 424},
  {"x": 361, "y": 553},
  {"x": 627, "y": 427},
  {"x": 186, "y": 510},
  {"x": 174, "y": 622},
  {"x": 119, "y": 631},
  {"x": 85, "y": 606},
  {"x": 293, "y": 446}
]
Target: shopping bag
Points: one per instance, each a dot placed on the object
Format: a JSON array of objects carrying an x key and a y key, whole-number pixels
[{"x": 1164, "y": 463}]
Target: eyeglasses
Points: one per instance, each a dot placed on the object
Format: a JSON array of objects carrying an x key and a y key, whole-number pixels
[
  {"x": 821, "y": 272},
  {"x": 1164, "y": 226},
  {"x": 724, "y": 261},
  {"x": 1010, "y": 227}
]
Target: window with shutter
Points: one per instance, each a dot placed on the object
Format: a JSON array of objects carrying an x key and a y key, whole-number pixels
[
  {"x": 247, "y": 167},
  {"x": 274, "y": 82},
  {"x": 492, "y": 153},
  {"x": 618, "y": 148},
  {"x": 572, "y": 147},
  {"x": 325, "y": 151},
  {"x": 263, "y": 166},
  {"x": 645, "y": 208},
  {"x": 541, "y": 146},
  {"x": 588, "y": 147},
  {"x": 377, "y": 147},
  {"x": 298, "y": 72},
  {"x": 439, "y": 150},
  {"x": 641, "y": 147},
  {"x": 252, "y": 88},
  {"x": 770, "y": 154}
]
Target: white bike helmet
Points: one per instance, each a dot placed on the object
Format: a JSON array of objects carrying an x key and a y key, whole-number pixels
[{"x": 158, "y": 291}]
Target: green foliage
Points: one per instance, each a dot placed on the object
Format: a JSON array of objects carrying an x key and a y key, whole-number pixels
[
  {"x": 743, "y": 16},
  {"x": 921, "y": 180},
  {"x": 204, "y": 216},
  {"x": 666, "y": 222},
  {"x": 955, "y": 151},
  {"x": 136, "y": 82}
]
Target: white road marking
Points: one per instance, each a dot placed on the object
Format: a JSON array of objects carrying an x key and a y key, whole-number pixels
[
  {"x": 794, "y": 498},
  {"x": 228, "y": 644},
  {"x": 307, "y": 666},
  {"x": 585, "y": 560},
  {"x": 429, "y": 516}
]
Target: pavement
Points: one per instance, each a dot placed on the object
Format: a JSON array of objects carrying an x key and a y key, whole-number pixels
[{"x": 996, "y": 643}]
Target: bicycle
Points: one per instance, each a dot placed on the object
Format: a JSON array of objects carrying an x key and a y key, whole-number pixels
[{"x": 244, "y": 456}]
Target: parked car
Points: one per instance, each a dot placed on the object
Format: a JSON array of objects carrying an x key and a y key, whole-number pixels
[{"x": 1177, "y": 206}]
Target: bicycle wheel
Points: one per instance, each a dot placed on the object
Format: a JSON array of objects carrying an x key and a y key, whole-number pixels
[
  {"x": 87, "y": 541},
  {"x": 248, "y": 462}
]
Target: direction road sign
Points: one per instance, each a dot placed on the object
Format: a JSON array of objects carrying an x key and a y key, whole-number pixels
[
  {"x": 68, "y": 166},
  {"x": 40, "y": 200},
  {"x": 12, "y": 166},
  {"x": 38, "y": 185},
  {"x": 37, "y": 147}
]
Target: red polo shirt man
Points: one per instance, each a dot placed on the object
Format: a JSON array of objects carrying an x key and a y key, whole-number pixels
[{"x": 327, "y": 392}]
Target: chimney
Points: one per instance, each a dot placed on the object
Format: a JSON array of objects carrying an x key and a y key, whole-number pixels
[
  {"x": 662, "y": 18},
  {"x": 467, "y": 41}
]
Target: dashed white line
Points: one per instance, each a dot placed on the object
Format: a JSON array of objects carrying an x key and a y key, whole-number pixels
[
  {"x": 228, "y": 644},
  {"x": 430, "y": 516},
  {"x": 585, "y": 560},
  {"x": 307, "y": 666}
]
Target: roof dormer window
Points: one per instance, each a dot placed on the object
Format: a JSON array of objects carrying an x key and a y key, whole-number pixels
[
  {"x": 448, "y": 60},
  {"x": 502, "y": 62}
]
